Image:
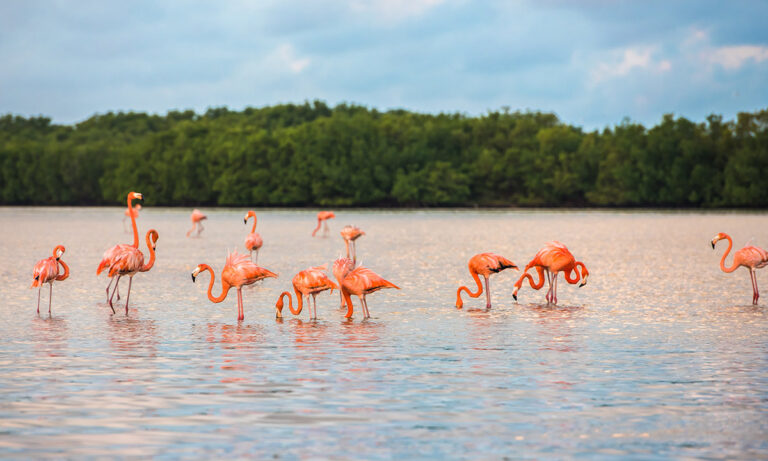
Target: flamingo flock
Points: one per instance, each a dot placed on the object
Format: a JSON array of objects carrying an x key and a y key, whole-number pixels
[{"x": 352, "y": 278}]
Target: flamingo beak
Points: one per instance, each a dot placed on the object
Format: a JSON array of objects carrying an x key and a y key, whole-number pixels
[
  {"x": 245, "y": 220},
  {"x": 713, "y": 244},
  {"x": 584, "y": 282},
  {"x": 514, "y": 295},
  {"x": 193, "y": 278}
]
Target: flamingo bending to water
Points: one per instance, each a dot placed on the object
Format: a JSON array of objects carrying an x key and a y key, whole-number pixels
[
  {"x": 552, "y": 259},
  {"x": 253, "y": 241},
  {"x": 322, "y": 219},
  {"x": 197, "y": 218},
  {"x": 350, "y": 234},
  {"x": 130, "y": 261},
  {"x": 111, "y": 253},
  {"x": 307, "y": 282},
  {"x": 359, "y": 281},
  {"x": 483, "y": 264},
  {"x": 46, "y": 271},
  {"x": 238, "y": 271},
  {"x": 750, "y": 257}
]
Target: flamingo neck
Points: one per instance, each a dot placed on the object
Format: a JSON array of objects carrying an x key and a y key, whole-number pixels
[
  {"x": 133, "y": 224},
  {"x": 734, "y": 266},
  {"x": 66, "y": 271},
  {"x": 348, "y": 300},
  {"x": 319, "y": 221},
  {"x": 148, "y": 265},
  {"x": 465, "y": 289},
  {"x": 536, "y": 285},
  {"x": 572, "y": 275},
  {"x": 224, "y": 287}
]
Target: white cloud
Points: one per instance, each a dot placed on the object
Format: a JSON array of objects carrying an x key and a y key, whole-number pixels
[
  {"x": 623, "y": 62},
  {"x": 734, "y": 57},
  {"x": 284, "y": 57}
]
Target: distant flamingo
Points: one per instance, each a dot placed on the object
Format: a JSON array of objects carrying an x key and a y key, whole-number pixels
[
  {"x": 360, "y": 281},
  {"x": 750, "y": 257},
  {"x": 253, "y": 241},
  {"x": 350, "y": 234},
  {"x": 322, "y": 218},
  {"x": 46, "y": 271},
  {"x": 307, "y": 282},
  {"x": 553, "y": 259},
  {"x": 131, "y": 213},
  {"x": 129, "y": 261},
  {"x": 238, "y": 272},
  {"x": 197, "y": 218},
  {"x": 483, "y": 264},
  {"x": 109, "y": 255}
]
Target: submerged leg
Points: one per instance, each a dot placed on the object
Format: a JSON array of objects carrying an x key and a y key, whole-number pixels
[
  {"x": 117, "y": 282},
  {"x": 554, "y": 290},
  {"x": 366, "y": 312},
  {"x": 753, "y": 279},
  {"x": 128, "y": 296},
  {"x": 111, "y": 279},
  {"x": 240, "y": 313},
  {"x": 314, "y": 306},
  {"x": 487, "y": 292},
  {"x": 50, "y": 297},
  {"x": 38, "y": 298},
  {"x": 549, "y": 287}
]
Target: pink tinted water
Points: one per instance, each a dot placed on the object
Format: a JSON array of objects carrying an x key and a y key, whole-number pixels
[{"x": 660, "y": 355}]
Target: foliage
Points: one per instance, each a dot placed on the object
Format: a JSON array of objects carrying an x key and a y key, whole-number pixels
[{"x": 348, "y": 155}]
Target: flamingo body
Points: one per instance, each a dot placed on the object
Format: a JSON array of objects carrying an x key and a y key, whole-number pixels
[
  {"x": 483, "y": 264},
  {"x": 307, "y": 282},
  {"x": 322, "y": 218},
  {"x": 197, "y": 218},
  {"x": 551, "y": 260},
  {"x": 127, "y": 260},
  {"x": 47, "y": 271},
  {"x": 360, "y": 281}
]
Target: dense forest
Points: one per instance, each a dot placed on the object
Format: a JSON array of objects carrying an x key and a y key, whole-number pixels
[{"x": 348, "y": 155}]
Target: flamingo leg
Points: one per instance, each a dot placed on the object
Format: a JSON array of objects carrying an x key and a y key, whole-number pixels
[
  {"x": 199, "y": 227},
  {"x": 50, "y": 296},
  {"x": 365, "y": 308},
  {"x": 314, "y": 306},
  {"x": 128, "y": 296},
  {"x": 753, "y": 279},
  {"x": 251, "y": 254},
  {"x": 554, "y": 291},
  {"x": 549, "y": 285},
  {"x": 257, "y": 257},
  {"x": 487, "y": 292},
  {"x": 38, "y": 299},
  {"x": 113, "y": 294},
  {"x": 111, "y": 279},
  {"x": 240, "y": 313},
  {"x": 757, "y": 291}
]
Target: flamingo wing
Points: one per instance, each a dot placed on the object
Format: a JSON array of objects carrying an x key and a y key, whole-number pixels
[
  {"x": 127, "y": 261},
  {"x": 45, "y": 271},
  {"x": 253, "y": 241},
  {"x": 752, "y": 256},
  {"x": 363, "y": 281}
]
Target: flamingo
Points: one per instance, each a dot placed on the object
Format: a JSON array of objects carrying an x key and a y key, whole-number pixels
[
  {"x": 322, "y": 218},
  {"x": 131, "y": 213},
  {"x": 129, "y": 261},
  {"x": 553, "y": 259},
  {"x": 111, "y": 253},
  {"x": 197, "y": 217},
  {"x": 350, "y": 234},
  {"x": 46, "y": 271},
  {"x": 483, "y": 264},
  {"x": 253, "y": 241},
  {"x": 307, "y": 282},
  {"x": 750, "y": 257},
  {"x": 238, "y": 272},
  {"x": 359, "y": 281}
]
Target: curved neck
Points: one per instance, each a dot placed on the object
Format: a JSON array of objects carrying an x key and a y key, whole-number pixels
[
  {"x": 348, "y": 300},
  {"x": 540, "y": 283},
  {"x": 224, "y": 287},
  {"x": 66, "y": 271},
  {"x": 465, "y": 289},
  {"x": 133, "y": 223},
  {"x": 734, "y": 266},
  {"x": 572, "y": 275},
  {"x": 148, "y": 265}
]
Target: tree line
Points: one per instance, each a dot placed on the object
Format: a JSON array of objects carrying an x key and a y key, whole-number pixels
[{"x": 312, "y": 154}]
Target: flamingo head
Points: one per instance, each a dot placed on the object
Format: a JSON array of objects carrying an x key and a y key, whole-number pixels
[
  {"x": 248, "y": 215},
  {"x": 197, "y": 271},
  {"x": 58, "y": 251},
  {"x": 135, "y": 195},
  {"x": 718, "y": 237},
  {"x": 154, "y": 236}
]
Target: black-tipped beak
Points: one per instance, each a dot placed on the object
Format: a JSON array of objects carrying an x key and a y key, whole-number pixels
[
  {"x": 245, "y": 221},
  {"x": 515, "y": 296},
  {"x": 713, "y": 245},
  {"x": 515, "y": 268},
  {"x": 58, "y": 257},
  {"x": 193, "y": 278},
  {"x": 582, "y": 284}
]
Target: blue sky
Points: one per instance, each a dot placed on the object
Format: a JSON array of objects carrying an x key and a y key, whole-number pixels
[{"x": 591, "y": 62}]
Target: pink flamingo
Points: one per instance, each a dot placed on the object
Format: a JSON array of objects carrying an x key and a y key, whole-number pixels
[
  {"x": 322, "y": 218},
  {"x": 360, "y": 281},
  {"x": 131, "y": 213},
  {"x": 483, "y": 264},
  {"x": 46, "y": 271},
  {"x": 553, "y": 259},
  {"x": 350, "y": 234},
  {"x": 130, "y": 261},
  {"x": 111, "y": 253},
  {"x": 750, "y": 257},
  {"x": 238, "y": 272},
  {"x": 307, "y": 282},
  {"x": 197, "y": 218},
  {"x": 253, "y": 241}
]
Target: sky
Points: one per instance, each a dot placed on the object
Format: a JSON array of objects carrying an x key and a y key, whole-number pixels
[{"x": 593, "y": 63}]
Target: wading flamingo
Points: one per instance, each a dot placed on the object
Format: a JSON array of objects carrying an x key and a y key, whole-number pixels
[
  {"x": 238, "y": 271},
  {"x": 360, "y": 281},
  {"x": 350, "y": 234},
  {"x": 253, "y": 241},
  {"x": 552, "y": 259},
  {"x": 483, "y": 264},
  {"x": 129, "y": 261},
  {"x": 197, "y": 218},
  {"x": 322, "y": 219},
  {"x": 307, "y": 282},
  {"x": 46, "y": 271},
  {"x": 109, "y": 255},
  {"x": 131, "y": 213},
  {"x": 750, "y": 257}
]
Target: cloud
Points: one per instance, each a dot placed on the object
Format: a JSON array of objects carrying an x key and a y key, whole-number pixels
[{"x": 734, "y": 57}]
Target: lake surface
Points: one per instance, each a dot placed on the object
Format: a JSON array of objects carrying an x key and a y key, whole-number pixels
[{"x": 660, "y": 355}]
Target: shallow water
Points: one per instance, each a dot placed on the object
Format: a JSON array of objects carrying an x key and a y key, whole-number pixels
[{"x": 661, "y": 354}]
